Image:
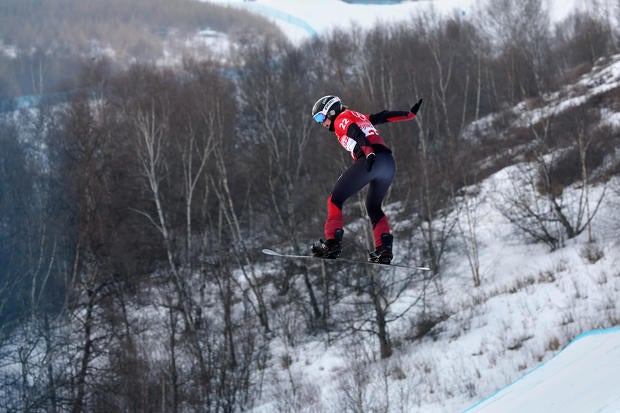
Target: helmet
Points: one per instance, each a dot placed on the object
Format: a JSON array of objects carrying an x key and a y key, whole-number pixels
[{"x": 328, "y": 107}]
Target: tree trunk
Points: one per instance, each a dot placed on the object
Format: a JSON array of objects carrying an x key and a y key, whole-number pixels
[{"x": 385, "y": 344}]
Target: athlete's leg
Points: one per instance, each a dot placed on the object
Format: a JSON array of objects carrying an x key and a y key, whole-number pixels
[
  {"x": 382, "y": 175},
  {"x": 349, "y": 183}
]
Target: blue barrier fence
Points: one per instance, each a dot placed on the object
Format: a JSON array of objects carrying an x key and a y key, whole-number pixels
[
  {"x": 373, "y": 1},
  {"x": 285, "y": 17}
]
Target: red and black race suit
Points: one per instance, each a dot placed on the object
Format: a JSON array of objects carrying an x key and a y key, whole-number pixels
[{"x": 357, "y": 134}]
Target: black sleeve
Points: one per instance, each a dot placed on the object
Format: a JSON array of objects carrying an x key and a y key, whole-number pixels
[
  {"x": 390, "y": 116},
  {"x": 354, "y": 132}
]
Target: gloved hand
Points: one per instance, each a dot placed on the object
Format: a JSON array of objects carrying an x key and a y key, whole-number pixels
[
  {"x": 370, "y": 157},
  {"x": 368, "y": 153},
  {"x": 416, "y": 107},
  {"x": 370, "y": 160}
]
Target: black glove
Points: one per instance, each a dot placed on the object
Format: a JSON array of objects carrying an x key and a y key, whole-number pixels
[
  {"x": 370, "y": 160},
  {"x": 416, "y": 107}
]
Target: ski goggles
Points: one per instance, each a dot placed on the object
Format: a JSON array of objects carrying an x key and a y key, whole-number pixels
[{"x": 320, "y": 117}]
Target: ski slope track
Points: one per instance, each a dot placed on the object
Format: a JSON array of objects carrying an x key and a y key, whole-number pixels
[
  {"x": 582, "y": 378},
  {"x": 304, "y": 19}
]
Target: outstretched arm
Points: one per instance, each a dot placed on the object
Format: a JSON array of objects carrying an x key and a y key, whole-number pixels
[
  {"x": 394, "y": 115},
  {"x": 390, "y": 116}
]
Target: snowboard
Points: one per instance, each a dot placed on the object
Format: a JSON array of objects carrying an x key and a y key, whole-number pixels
[{"x": 273, "y": 253}]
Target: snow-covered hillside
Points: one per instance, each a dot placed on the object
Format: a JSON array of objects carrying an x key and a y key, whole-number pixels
[
  {"x": 456, "y": 345},
  {"x": 531, "y": 303}
]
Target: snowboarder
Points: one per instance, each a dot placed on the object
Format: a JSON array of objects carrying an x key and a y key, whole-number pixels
[{"x": 373, "y": 166}]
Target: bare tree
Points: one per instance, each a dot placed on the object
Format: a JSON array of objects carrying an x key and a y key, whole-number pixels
[
  {"x": 277, "y": 102},
  {"x": 541, "y": 206},
  {"x": 436, "y": 226},
  {"x": 374, "y": 310},
  {"x": 241, "y": 254},
  {"x": 523, "y": 34},
  {"x": 467, "y": 224}
]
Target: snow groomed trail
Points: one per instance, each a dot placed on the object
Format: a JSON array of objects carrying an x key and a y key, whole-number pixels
[{"x": 584, "y": 377}]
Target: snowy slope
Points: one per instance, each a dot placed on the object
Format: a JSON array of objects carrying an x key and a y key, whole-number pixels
[
  {"x": 530, "y": 305},
  {"x": 583, "y": 377},
  {"x": 301, "y": 19}
]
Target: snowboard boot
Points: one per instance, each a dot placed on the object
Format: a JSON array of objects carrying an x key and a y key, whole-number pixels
[
  {"x": 383, "y": 253},
  {"x": 330, "y": 248}
]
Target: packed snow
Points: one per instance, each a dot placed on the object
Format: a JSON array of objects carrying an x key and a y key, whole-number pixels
[{"x": 582, "y": 378}]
